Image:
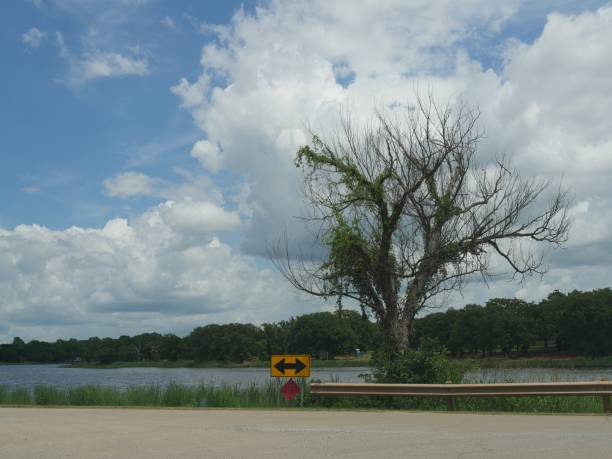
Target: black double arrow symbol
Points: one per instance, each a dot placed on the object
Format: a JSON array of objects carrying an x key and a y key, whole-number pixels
[{"x": 297, "y": 367}]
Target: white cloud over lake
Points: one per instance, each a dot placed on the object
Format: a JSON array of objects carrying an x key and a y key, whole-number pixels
[{"x": 167, "y": 270}]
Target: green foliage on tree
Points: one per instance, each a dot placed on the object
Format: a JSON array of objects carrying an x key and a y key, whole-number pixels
[
  {"x": 585, "y": 322},
  {"x": 405, "y": 213},
  {"x": 321, "y": 332},
  {"x": 226, "y": 343},
  {"x": 577, "y": 322}
]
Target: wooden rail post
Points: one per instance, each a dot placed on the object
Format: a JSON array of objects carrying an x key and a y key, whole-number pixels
[
  {"x": 450, "y": 402},
  {"x": 316, "y": 398}
]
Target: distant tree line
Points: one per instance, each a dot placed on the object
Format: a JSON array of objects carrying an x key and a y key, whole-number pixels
[
  {"x": 578, "y": 323},
  {"x": 337, "y": 333}
]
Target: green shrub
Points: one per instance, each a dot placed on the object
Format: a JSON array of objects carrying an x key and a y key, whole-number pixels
[{"x": 428, "y": 364}]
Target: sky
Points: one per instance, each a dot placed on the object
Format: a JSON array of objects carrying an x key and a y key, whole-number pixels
[{"x": 147, "y": 146}]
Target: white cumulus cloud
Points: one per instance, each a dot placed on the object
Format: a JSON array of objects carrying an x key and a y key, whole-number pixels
[
  {"x": 188, "y": 186},
  {"x": 165, "y": 270},
  {"x": 208, "y": 154},
  {"x": 33, "y": 37},
  {"x": 99, "y": 64},
  {"x": 265, "y": 79},
  {"x": 191, "y": 95},
  {"x": 168, "y": 22},
  {"x": 198, "y": 217},
  {"x": 293, "y": 65},
  {"x": 128, "y": 184}
]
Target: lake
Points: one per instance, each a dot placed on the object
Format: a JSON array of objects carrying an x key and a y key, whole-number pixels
[{"x": 32, "y": 375}]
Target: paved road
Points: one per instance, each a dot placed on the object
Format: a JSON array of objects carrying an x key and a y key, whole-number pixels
[{"x": 153, "y": 433}]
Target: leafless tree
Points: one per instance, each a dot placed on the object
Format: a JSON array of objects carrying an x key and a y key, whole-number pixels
[{"x": 406, "y": 213}]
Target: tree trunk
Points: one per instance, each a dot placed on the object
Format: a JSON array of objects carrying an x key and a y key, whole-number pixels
[{"x": 399, "y": 331}]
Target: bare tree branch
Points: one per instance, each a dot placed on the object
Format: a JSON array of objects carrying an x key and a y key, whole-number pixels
[{"x": 406, "y": 213}]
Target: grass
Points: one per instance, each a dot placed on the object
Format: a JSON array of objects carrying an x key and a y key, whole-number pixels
[
  {"x": 476, "y": 404},
  {"x": 172, "y": 395},
  {"x": 268, "y": 396}
]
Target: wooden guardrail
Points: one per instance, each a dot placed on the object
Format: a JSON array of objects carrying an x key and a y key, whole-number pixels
[{"x": 451, "y": 391}]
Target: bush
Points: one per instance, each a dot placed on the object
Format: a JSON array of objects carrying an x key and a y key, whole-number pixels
[{"x": 428, "y": 364}]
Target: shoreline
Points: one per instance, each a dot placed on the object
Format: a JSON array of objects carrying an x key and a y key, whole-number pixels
[
  {"x": 564, "y": 362},
  {"x": 594, "y": 363},
  {"x": 193, "y": 364}
]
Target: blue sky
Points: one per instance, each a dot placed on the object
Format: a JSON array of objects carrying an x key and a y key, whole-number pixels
[
  {"x": 164, "y": 132},
  {"x": 64, "y": 138}
]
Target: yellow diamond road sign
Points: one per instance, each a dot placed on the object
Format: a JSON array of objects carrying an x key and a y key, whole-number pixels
[{"x": 290, "y": 366}]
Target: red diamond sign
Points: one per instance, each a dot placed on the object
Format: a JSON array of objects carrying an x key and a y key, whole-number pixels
[{"x": 290, "y": 389}]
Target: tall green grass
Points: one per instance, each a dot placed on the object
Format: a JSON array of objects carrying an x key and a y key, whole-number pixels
[
  {"x": 268, "y": 396},
  {"x": 476, "y": 404},
  {"x": 171, "y": 395}
]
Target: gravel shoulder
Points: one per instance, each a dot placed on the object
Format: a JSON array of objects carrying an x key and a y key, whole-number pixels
[{"x": 165, "y": 433}]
